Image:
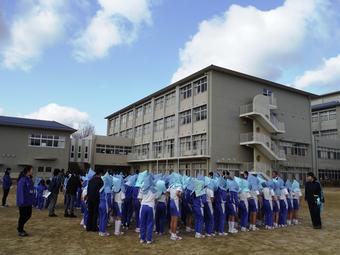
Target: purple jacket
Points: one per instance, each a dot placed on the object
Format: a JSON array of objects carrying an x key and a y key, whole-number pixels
[
  {"x": 25, "y": 192},
  {"x": 6, "y": 181}
]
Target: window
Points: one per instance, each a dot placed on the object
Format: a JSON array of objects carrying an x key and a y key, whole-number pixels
[
  {"x": 324, "y": 116},
  {"x": 315, "y": 117},
  {"x": 86, "y": 152},
  {"x": 170, "y": 122},
  {"x": 158, "y": 125},
  {"x": 169, "y": 147},
  {"x": 145, "y": 150},
  {"x": 328, "y": 153},
  {"x": 112, "y": 149},
  {"x": 72, "y": 151},
  {"x": 199, "y": 169},
  {"x": 185, "y": 117},
  {"x": 130, "y": 116},
  {"x": 332, "y": 114},
  {"x": 52, "y": 141},
  {"x": 48, "y": 169},
  {"x": 199, "y": 144},
  {"x": 170, "y": 98},
  {"x": 123, "y": 120},
  {"x": 146, "y": 129},
  {"x": 159, "y": 103},
  {"x": 147, "y": 108},
  {"x": 330, "y": 134},
  {"x": 157, "y": 149},
  {"x": 267, "y": 92},
  {"x": 139, "y": 131},
  {"x": 200, "y": 113},
  {"x": 139, "y": 112},
  {"x": 200, "y": 85},
  {"x": 79, "y": 151},
  {"x": 40, "y": 169},
  {"x": 185, "y": 145},
  {"x": 185, "y": 92},
  {"x": 295, "y": 149},
  {"x": 129, "y": 133}
]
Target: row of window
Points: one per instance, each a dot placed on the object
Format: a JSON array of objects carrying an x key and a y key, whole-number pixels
[
  {"x": 199, "y": 86},
  {"x": 330, "y": 134},
  {"x": 169, "y": 99},
  {"x": 42, "y": 169},
  {"x": 199, "y": 113},
  {"x": 86, "y": 154},
  {"x": 324, "y": 115},
  {"x": 294, "y": 149},
  {"x": 195, "y": 145},
  {"x": 328, "y": 153},
  {"x": 51, "y": 141},
  {"x": 112, "y": 149},
  {"x": 329, "y": 175}
]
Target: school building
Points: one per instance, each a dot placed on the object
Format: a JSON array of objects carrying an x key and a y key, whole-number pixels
[
  {"x": 326, "y": 126},
  {"x": 45, "y": 145},
  {"x": 100, "y": 152},
  {"x": 219, "y": 119}
]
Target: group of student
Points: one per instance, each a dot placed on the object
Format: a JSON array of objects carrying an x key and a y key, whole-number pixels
[{"x": 216, "y": 204}]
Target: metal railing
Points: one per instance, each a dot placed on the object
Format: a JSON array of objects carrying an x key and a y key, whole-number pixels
[
  {"x": 265, "y": 140},
  {"x": 244, "y": 109}
]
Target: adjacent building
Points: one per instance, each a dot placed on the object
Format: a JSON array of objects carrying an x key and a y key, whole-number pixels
[
  {"x": 45, "y": 145},
  {"x": 100, "y": 152},
  {"x": 218, "y": 119},
  {"x": 326, "y": 126}
]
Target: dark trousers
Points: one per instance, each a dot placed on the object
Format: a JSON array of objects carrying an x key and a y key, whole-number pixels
[
  {"x": 314, "y": 211},
  {"x": 92, "y": 221},
  {"x": 25, "y": 213},
  {"x": 53, "y": 201},
  {"x": 69, "y": 204},
  {"x": 4, "y": 197}
]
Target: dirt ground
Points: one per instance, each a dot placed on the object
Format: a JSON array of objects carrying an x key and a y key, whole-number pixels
[{"x": 65, "y": 236}]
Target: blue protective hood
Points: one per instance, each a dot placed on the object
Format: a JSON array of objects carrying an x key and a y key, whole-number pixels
[{"x": 140, "y": 179}]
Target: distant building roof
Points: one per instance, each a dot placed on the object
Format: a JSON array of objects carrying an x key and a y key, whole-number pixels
[
  {"x": 327, "y": 105},
  {"x": 203, "y": 71},
  {"x": 33, "y": 123},
  {"x": 330, "y": 94}
]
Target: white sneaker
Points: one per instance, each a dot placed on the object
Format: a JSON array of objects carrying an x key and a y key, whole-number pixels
[
  {"x": 188, "y": 229},
  {"x": 104, "y": 234},
  {"x": 141, "y": 241},
  {"x": 173, "y": 238},
  {"x": 119, "y": 233},
  {"x": 223, "y": 234},
  {"x": 137, "y": 230},
  {"x": 243, "y": 229},
  {"x": 178, "y": 237},
  {"x": 233, "y": 231},
  {"x": 148, "y": 242},
  {"x": 199, "y": 236},
  {"x": 82, "y": 222}
]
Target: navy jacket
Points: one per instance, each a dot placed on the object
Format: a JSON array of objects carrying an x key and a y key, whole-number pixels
[
  {"x": 55, "y": 184},
  {"x": 6, "y": 181},
  {"x": 25, "y": 192}
]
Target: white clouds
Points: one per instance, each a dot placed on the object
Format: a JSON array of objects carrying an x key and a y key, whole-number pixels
[
  {"x": 32, "y": 32},
  {"x": 249, "y": 40},
  {"x": 117, "y": 22},
  {"x": 67, "y": 115},
  {"x": 2, "y": 111},
  {"x": 326, "y": 74}
]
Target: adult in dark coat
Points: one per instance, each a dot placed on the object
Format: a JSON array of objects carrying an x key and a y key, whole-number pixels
[
  {"x": 314, "y": 199},
  {"x": 6, "y": 186},
  {"x": 70, "y": 197},
  {"x": 25, "y": 195},
  {"x": 93, "y": 188}
]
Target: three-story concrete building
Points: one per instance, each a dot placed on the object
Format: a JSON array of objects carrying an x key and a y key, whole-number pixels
[{"x": 218, "y": 119}]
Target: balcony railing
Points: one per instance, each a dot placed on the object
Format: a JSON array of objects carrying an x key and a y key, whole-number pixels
[
  {"x": 254, "y": 109},
  {"x": 265, "y": 141}
]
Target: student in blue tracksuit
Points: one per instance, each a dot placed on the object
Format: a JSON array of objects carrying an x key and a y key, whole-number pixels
[
  {"x": 296, "y": 194},
  {"x": 253, "y": 200},
  {"x": 198, "y": 198},
  {"x": 175, "y": 213},
  {"x": 268, "y": 194},
  {"x": 243, "y": 204},
  {"x": 128, "y": 201},
  {"x": 147, "y": 195},
  {"x": 136, "y": 207},
  {"x": 282, "y": 194},
  {"x": 119, "y": 197},
  {"x": 104, "y": 204},
  {"x": 208, "y": 207},
  {"x": 219, "y": 206},
  {"x": 232, "y": 203},
  {"x": 6, "y": 186},
  {"x": 160, "y": 217},
  {"x": 25, "y": 193},
  {"x": 40, "y": 194},
  {"x": 288, "y": 185},
  {"x": 276, "y": 200}
]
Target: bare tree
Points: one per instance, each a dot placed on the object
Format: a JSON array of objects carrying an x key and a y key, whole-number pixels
[{"x": 86, "y": 129}]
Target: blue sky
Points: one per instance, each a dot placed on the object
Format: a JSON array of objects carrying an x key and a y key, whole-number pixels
[{"x": 82, "y": 61}]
